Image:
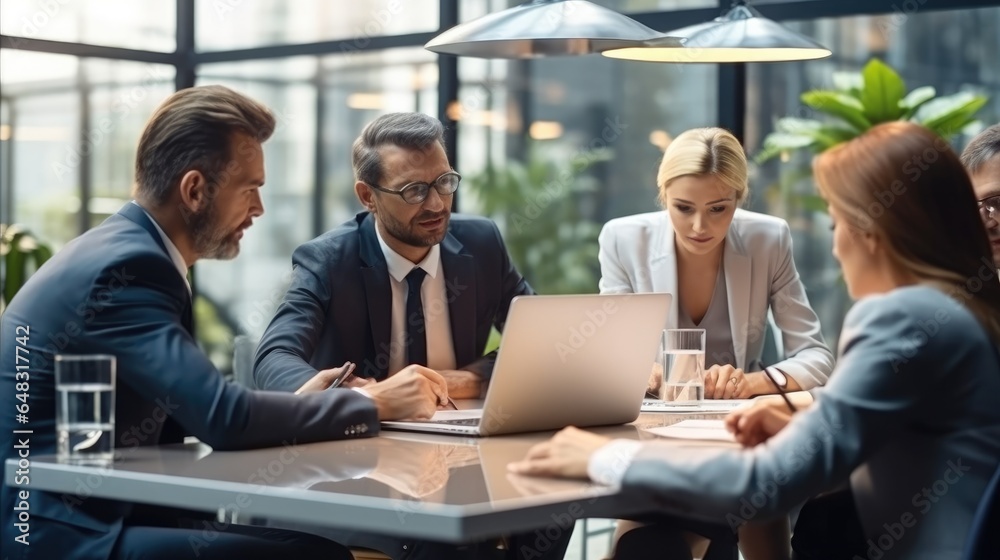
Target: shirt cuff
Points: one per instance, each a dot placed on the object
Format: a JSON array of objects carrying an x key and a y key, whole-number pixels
[
  {"x": 608, "y": 464},
  {"x": 362, "y": 391}
]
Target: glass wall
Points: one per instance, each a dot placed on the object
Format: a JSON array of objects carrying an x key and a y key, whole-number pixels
[
  {"x": 553, "y": 148},
  {"x": 947, "y": 50},
  {"x": 550, "y": 148},
  {"x": 228, "y": 24},
  {"x": 72, "y": 123},
  {"x": 147, "y": 26}
]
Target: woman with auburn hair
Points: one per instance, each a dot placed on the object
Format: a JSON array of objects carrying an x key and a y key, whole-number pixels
[
  {"x": 909, "y": 417},
  {"x": 725, "y": 266}
]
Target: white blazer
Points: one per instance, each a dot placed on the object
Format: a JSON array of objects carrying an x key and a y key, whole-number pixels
[{"x": 637, "y": 255}]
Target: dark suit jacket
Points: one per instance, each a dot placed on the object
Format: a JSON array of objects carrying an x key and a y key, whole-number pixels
[
  {"x": 114, "y": 290},
  {"x": 338, "y": 307}
]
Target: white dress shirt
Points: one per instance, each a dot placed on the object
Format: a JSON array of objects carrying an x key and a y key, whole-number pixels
[
  {"x": 440, "y": 348},
  {"x": 172, "y": 250},
  {"x": 608, "y": 464}
]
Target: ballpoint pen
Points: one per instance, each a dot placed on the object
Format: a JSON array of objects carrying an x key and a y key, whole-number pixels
[
  {"x": 348, "y": 370},
  {"x": 451, "y": 402},
  {"x": 781, "y": 390}
]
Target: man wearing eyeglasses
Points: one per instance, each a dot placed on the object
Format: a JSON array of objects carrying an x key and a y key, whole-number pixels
[
  {"x": 403, "y": 282},
  {"x": 982, "y": 158}
]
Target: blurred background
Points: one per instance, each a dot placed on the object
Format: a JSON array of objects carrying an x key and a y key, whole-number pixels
[{"x": 549, "y": 148}]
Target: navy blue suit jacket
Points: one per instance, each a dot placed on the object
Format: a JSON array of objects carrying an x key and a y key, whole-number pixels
[
  {"x": 338, "y": 307},
  {"x": 114, "y": 290}
]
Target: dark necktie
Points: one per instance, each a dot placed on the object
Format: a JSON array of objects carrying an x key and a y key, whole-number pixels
[{"x": 416, "y": 333}]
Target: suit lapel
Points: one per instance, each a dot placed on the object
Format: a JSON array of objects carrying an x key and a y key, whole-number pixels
[
  {"x": 460, "y": 287},
  {"x": 663, "y": 267},
  {"x": 187, "y": 318},
  {"x": 737, "y": 266},
  {"x": 378, "y": 293}
]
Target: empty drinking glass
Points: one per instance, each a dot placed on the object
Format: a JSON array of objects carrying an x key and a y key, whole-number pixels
[
  {"x": 683, "y": 362},
  {"x": 85, "y": 408}
]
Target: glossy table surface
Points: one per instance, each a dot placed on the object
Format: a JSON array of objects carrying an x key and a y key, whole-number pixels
[{"x": 433, "y": 486}]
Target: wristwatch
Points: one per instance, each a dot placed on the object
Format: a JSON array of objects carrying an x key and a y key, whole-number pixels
[{"x": 777, "y": 376}]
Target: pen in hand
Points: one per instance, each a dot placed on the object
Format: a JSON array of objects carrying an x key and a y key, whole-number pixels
[
  {"x": 781, "y": 390},
  {"x": 343, "y": 376}
]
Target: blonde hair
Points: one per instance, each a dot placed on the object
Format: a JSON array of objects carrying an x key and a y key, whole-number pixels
[
  {"x": 903, "y": 184},
  {"x": 704, "y": 151}
]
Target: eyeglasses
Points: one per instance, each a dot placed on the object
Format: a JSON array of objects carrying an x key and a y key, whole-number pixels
[
  {"x": 415, "y": 193},
  {"x": 989, "y": 208}
]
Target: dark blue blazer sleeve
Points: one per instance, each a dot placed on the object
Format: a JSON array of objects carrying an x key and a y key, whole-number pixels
[
  {"x": 282, "y": 362},
  {"x": 142, "y": 326}
]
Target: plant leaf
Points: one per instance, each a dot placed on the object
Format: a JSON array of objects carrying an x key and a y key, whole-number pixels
[
  {"x": 825, "y": 136},
  {"x": 812, "y": 202},
  {"x": 849, "y": 83},
  {"x": 839, "y": 105},
  {"x": 778, "y": 142},
  {"x": 883, "y": 91},
  {"x": 15, "y": 268},
  {"x": 914, "y": 100},
  {"x": 948, "y": 115}
]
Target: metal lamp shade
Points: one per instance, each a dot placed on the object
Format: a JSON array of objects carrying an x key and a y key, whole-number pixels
[
  {"x": 546, "y": 28},
  {"x": 741, "y": 35}
]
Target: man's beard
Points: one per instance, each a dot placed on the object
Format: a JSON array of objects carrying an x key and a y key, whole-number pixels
[
  {"x": 212, "y": 241},
  {"x": 408, "y": 234}
]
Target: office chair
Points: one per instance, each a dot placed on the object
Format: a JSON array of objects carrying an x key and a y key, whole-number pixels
[{"x": 244, "y": 348}]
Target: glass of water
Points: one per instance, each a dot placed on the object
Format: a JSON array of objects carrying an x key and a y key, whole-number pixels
[
  {"x": 683, "y": 362},
  {"x": 85, "y": 408}
]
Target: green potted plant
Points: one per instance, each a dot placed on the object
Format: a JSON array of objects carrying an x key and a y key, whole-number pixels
[
  {"x": 22, "y": 254},
  {"x": 859, "y": 102},
  {"x": 541, "y": 204}
]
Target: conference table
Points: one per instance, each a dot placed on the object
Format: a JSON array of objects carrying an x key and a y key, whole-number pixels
[{"x": 437, "y": 487}]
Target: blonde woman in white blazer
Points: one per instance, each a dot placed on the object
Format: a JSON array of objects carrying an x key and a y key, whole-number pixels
[{"x": 725, "y": 266}]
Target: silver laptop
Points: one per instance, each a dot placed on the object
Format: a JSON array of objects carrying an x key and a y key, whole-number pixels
[{"x": 581, "y": 360}]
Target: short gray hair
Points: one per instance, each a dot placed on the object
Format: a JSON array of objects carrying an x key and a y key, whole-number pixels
[
  {"x": 414, "y": 131},
  {"x": 981, "y": 149}
]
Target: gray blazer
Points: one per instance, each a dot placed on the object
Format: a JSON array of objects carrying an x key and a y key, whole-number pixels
[
  {"x": 637, "y": 255},
  {"x": 910, "y": 417}
]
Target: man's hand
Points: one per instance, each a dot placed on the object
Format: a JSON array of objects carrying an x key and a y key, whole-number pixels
[
  {"x": 462, "y": 384},
  {"x": 413, "y": 393},
  {"x": 758, "y": 423},
  {"x": 323, "y": 379}
]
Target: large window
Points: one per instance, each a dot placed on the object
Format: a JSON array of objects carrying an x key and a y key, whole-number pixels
[
  {"x": 947, "y": 50},
  {"x": 553, "y": 148},
  {"x": 549, "y": 148},
  {"x": 228, "y": 24},
  {"x": 118, "y": 23},
  {"x": 71, "y": 126}
]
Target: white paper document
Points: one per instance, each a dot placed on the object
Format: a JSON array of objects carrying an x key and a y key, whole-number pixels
[
  {"x": 653, "y": 405},
  {"x": 703, "y": 430}
]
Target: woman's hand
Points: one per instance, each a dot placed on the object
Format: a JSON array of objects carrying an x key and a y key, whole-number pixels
[
  {"x": 728, "y": 382},
  {"x": 724, "y": 382},
  {"x": 758, "y": 423},
  {"x": 655, "y": 381},
  {"x": 566, "y": 455}
]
